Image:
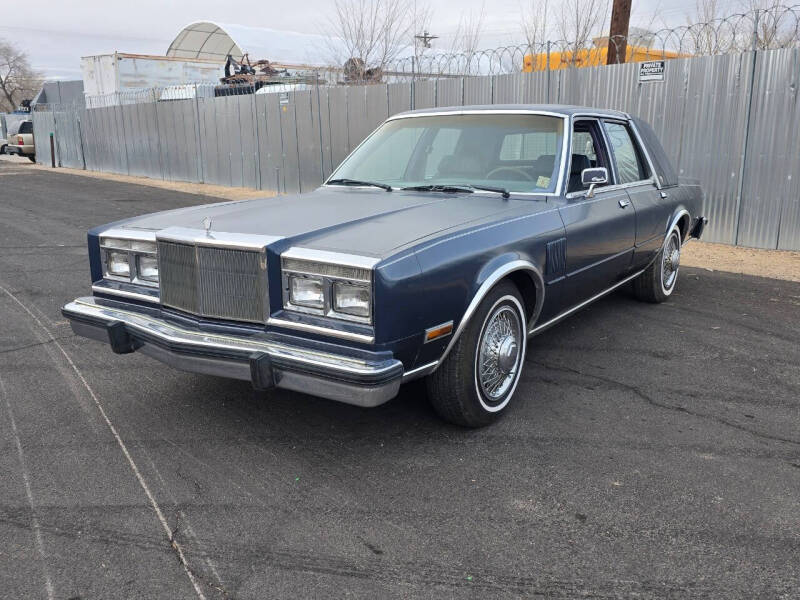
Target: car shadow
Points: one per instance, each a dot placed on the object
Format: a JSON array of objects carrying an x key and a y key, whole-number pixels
[{"x": 408, "y": 414}]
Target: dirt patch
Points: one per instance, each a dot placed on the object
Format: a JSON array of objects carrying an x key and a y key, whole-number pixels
[
  {"x": 203, "y": 189},
  {"x": 777, "y": 264}
]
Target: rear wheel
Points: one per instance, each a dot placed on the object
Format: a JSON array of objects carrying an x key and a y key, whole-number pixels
[
  {"x": 657, "y": 283},
  {"x": 477, "y": 380}
]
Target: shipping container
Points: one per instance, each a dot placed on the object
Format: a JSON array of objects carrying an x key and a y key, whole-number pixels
[{"x": 107, "y": 75}]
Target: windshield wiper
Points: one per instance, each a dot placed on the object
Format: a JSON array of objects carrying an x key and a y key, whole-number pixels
[
  {"x": 447, "y": 188},
  {"x": 490, "y": 188},
  {"x": 452, "y": 189},
  {"x": 383, "y": 186}
]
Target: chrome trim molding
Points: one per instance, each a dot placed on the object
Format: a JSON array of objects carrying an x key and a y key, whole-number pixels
[
  {"x": 144, "y": 235},
  {"x": 334, "y": 258},
  {"x": 338, "y": 333},
  {"x": 577, "y": 307},
  {"x": 497, "y": 275},
  {"x": 112, "y": 291},
  {"x": 219, "y": 239},
  {"x": 675, "y": 219},
  {"x": 497, "y": 111},
  {"x": 422, "y": 371}
]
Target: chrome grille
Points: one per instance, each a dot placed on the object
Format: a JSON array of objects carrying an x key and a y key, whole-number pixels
[{"x": 222, "y": 283}]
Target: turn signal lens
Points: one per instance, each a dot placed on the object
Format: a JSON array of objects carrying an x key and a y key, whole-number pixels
[{"x": 438, "y": 331}]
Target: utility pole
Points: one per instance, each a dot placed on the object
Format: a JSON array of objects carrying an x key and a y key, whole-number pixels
[
  {"x": 618, "y": 36},
  {"x": 426, "y": 38}
]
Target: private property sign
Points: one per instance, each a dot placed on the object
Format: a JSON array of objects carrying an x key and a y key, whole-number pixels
[{"x": 652, "y": 70}]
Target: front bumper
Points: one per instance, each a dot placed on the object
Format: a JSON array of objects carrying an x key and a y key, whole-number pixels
[{"x": 345, "y": 375}]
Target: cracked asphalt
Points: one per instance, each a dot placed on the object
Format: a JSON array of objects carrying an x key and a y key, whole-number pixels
[{"x": 651, "y": 452}]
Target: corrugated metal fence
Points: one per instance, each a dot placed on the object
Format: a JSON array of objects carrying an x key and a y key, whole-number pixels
[{"x": 729, "y": 120}]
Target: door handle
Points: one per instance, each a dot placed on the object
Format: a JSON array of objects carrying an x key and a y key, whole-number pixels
[
  {"x": 664, "y": 195},
  {"x": 624, "y": 203}
]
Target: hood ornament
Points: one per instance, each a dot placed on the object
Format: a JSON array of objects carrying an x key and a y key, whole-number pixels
[{"x": 207, "y": 225}]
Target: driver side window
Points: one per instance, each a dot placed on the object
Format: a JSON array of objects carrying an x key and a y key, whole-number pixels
[{"x": 588, "y": 151}]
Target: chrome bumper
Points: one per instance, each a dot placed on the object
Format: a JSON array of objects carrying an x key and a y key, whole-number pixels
[{"x": 360, "y": 378}]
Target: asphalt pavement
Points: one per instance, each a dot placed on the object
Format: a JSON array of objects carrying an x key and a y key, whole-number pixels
[{"x": 652, "y": 451}]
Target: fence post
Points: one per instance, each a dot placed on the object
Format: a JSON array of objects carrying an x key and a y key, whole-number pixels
[
  {"x": 158, "y": 133},
  {"x": 52, "y": 151},
  {"x": 748, "y": 111},
  {"x": 198, "y": 120},
  {"x": 124, "y": 137},
  {"x": 319, "y": 122},
  {"x": 548, "y": 71},
  {"x": 80, "y": 139}
]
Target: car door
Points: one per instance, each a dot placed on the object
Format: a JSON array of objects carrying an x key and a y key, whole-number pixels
[
  {"x": 601, "y": 228},
  {"x": 634, "y": 173}
]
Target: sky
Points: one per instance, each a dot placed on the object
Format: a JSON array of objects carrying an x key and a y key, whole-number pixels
[{"x": 56, "y": 33}]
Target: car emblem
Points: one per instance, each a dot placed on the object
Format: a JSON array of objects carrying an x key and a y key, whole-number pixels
[{"x": 207, "y": 225}]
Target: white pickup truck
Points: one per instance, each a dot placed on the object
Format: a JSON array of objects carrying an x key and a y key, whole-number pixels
[{"x": 21, "y": 141}]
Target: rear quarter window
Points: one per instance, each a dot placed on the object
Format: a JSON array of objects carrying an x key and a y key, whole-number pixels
[{"x": 26, "y": 127}]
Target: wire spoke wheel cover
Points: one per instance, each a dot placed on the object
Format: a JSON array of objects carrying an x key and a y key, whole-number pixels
[
  {"x": 670, "y": 261},
  {"x": 499, "y": 354}
]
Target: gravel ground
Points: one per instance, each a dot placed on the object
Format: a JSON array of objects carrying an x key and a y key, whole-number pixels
[{"x": 651, "y": 452}]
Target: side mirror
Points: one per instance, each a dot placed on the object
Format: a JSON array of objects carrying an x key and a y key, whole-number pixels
[{"x": 593, "y": 177}]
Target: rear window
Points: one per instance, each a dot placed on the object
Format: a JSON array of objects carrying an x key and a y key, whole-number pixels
[{"x": 26, "y": 127}]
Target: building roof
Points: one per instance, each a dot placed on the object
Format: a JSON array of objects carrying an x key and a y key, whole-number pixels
[{"x": 214, "y": 41}]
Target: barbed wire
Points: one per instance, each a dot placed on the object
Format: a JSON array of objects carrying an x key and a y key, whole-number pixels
[{"x": 773, "y": 28}]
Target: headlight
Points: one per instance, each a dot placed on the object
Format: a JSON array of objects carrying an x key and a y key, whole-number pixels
[
  {"x": 306, "y": 291},
  {"x": 351, "y": 299},
  {"x": 131, "y": 260},
  {"x": 315, "y": 282},
  {"x": 147, "y": 268},
  {"x": 118, "y": 264}
]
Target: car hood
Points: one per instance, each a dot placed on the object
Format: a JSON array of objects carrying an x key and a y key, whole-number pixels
[{"x": 371, "y": 222}]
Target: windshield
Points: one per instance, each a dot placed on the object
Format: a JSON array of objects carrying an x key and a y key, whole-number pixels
[{"x": 517, "y": 152}]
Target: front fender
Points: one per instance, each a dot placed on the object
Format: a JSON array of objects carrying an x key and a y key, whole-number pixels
[{"x": 495, "y": 270}]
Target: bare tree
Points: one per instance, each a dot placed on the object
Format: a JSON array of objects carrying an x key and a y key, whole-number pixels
[
  {"x": 578, "y": 24},
  {"x": 366, "y": 35},
  {"x": 533, "y": 23},
  {"x": 18, "y": 80},
  {"x": 774, "y": 24},
  {"x": 466, "y": 41},
  {"x": 705, "y": 34}
]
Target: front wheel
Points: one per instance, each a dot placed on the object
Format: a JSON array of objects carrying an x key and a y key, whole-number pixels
[
  {"x": 477, "y": 380},
  {"x": 658, "y": 281},
  {"x": 32, "y": 158}
]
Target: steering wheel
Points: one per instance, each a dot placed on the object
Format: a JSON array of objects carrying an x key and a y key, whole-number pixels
[{"x": 516, "y": 170}]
